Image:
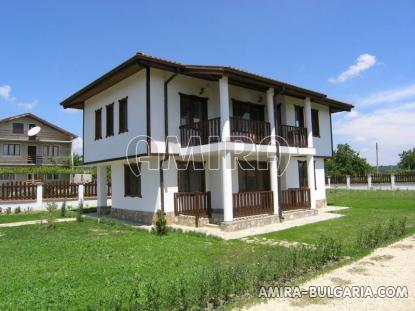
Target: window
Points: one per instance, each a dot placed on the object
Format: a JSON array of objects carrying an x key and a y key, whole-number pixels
[
  {"x": 11, "y": 149},
  {"x": 31, "y": 125},
  {"x": 110, "y": 119},
  {"x": 51, "y": 151},
  {"x": 253, "y": 176},
  {"x": 18, "y": 128},
  {"x": 132, "y": 181},
  {"x": 6, "y": 177},
  {"x": 315, "y": 122},
  {"x": 191, "y": 177},
  {"x": 193, "y": 109},
  {"x": 98, "y": 124},
  {"x": 302, "y": 174},
  {"x": 123, "y": 115},
  {"x": 248, "y": 111},
  {"x": 52, "y": 176},
  {"x": 299, "y": 116}
]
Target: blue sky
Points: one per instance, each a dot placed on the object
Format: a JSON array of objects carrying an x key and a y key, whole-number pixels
[{"x": 362, "y": 52}]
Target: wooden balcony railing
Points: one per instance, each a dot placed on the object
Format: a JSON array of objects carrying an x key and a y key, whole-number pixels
[
  {"x": 294, "y": 136},
  {"x": 200, "y": 133},
  {"x": 295, "y": 198},
  {"x": 252, "y": 203},
  {"x": 250, "y": 131},
  {"x": 192, "y": 204},
  {"x": 35, "y": 159}
]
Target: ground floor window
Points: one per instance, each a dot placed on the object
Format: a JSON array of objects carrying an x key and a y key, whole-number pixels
[
  {"x": 191, "y": 177},
  {"x": 6, "y": 176},
  {"x": 253, "y": 176},
  {"x": 50, "y": 177},
  {"x": 11, "y": 149},
  {"x": 132, "y": 180}
]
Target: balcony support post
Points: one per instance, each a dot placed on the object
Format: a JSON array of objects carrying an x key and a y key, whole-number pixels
[
  {"x": 274, "y": 183},
  {"x": 224, "y": 108},
  {"x": 101, "y": 187},
  {"x": 270, "y": 112},
  {"x": 308, "y": 120},
  {"x": 226, "y": 175},
  {"x": 310, "y": 178}
]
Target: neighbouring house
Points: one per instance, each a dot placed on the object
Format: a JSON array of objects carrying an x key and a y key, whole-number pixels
[
  {"x": 51, "y": 146},
  {"x": 194, "y": 141}
]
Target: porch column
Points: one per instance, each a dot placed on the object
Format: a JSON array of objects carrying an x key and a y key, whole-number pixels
[
  {"x": 270, "y": 111},
  {"x": 310, "y": 178},
  {"x": 224, "y": 108},
  {"x": 274, "y": 183},
  {"x": 101, "y": 185},
  {"x": 226, "y": 172},
  {"x": 308, "y": 122}
]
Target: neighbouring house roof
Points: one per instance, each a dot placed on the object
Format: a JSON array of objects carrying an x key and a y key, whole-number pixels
[
  {"x": 31, "y": 115},
  {"x": 236, "y": 77}
]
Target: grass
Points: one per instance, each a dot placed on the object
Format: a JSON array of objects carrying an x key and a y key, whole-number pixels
[
  {"x": 367, "y": 209},
  {"x": 76, "y": 265}
]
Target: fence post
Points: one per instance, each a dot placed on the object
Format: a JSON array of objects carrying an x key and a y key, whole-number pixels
[
  {"x": 39, "y": 195},
  {"x": 393, "y": 186},
  {"x": 329, "y": 181},
  {"x": 348, "y": 182},
  {"x": 369, "y": 181},
  {"x": 81, "y": 188}
]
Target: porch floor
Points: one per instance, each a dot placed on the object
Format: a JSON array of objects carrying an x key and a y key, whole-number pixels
[{"x": 323, "y": 214}]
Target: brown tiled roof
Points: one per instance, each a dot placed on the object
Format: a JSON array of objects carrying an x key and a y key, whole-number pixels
[{"x": 141, "y": 60}]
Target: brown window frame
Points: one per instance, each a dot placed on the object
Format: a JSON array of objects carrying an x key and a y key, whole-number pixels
[
  {"x": 109, "y": 115},
  {"x": 98, "y": 124},
  {"x": 315, "y": 122},
  {"x": 123, "y": 115},
  {"x": 299, "y": 116},
  {"x": 129, "y": 177}
]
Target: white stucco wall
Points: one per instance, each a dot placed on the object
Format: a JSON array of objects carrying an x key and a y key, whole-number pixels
[
  {"x": 115, "y": 146},
  {"x": 320, "y": 193}
]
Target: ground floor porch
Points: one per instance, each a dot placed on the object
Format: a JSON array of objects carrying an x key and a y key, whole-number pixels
[{"x": 230, "y": 190}]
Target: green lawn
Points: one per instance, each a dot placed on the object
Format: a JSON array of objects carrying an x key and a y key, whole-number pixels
[
  {"x": 80, "y": 264},
  {"x": 367, "y": 209}
]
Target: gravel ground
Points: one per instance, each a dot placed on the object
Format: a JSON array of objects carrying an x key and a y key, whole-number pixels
[{"x": 390, "y": 266}]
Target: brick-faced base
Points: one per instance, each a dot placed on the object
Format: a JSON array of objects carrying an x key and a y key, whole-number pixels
[
  {"x": 190, "y": 221},
  {"x": 249, "y": 222},
  {"x": 321, "y": 203}
]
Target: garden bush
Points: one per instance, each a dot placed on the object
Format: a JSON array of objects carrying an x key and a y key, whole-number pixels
[
  {"x": 17, "y": 210},
  {"x": 80, "y": 212},
  {"x": 51, "y": 208},
  {"x": 160, "y": 224},
  {"x": 63, "y": 209}
]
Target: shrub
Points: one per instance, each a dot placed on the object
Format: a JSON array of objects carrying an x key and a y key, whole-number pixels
[
  {"x": 379, "y": 234},
  {"x": 28, "y": 210},
  {"x": 160, "y": 224},
  {"x": 63, "y": 209},
  {"x": 51, "y": 207},
  {"x": 1, "y": 210},
  {"x": 8, "y": 210},
  {"x": 17, "y": 210},
  {"x": 80, "y": 212}
]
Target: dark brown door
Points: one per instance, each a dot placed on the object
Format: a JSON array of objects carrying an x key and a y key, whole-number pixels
[
  {"x": 31, "y": 154},
  {"x": 191, "y": 177},
  {"x": 193, "y": 109},
  {"x": 302, "y": 174},
  {"x": 299, "y": 116}
]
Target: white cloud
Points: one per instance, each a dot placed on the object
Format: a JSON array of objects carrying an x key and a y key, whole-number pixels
[
  {"x": 363, "y": 63},
  {"x": 389, "y": 96},
  {"x": 28, "y": 106},
  {"x": 6, "y": 92},
  {"x": 392, "y": 128},
  {"x": 77, "y": 145}
]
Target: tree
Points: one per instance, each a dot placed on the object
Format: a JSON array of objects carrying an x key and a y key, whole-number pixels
[
  {"x": 407, "y": 161},
  {"x": 78, "y": 160},
  {"x": 347, "y": 161}
]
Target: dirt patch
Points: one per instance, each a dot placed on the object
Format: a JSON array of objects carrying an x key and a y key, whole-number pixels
[
  {"x": 340, "y": 281},
  {"x": 305, "y": 301},
  {"x": 99, "y": 232},
  {"x": 265, "y": 241},
  {"x": 403, "y": 246},
  {"x": 382, "y": 258},
  {"x": 357, "y": 270},
  {"x": 365, "y": 263}
]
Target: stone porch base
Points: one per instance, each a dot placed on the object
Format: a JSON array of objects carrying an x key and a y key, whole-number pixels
[
  {"x": 139, "y": 217},
  {"x": 249, "y": 222}
]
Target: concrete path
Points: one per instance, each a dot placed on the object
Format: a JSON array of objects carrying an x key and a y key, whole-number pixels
[
  {"x": 33, "y": 222},
  {"x": 389, "y": 266},
  {"x": 326, "y": 213}
]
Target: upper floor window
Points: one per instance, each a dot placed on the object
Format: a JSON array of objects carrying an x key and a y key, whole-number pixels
[
  {"x": 51, "y": 151},
  {"x": 98, "y": 124},
  {"x": 193, "y": 109},
  {"x": 18, "y": 128},
  {"x": 248, "y": 111},
  {"x": 299, "y": 116},
  {"x": 31, "y": 125},
  {"x": 123, "y": 115},
  {"x": 110, "y": 119},
  {"x": 315, "y": 122},
  {"x": 11, "y": 149},
  {"x": 132, "y": 181}
]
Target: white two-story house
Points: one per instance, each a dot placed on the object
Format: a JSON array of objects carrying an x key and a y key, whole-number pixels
[{"x": 215, "y": 143}]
